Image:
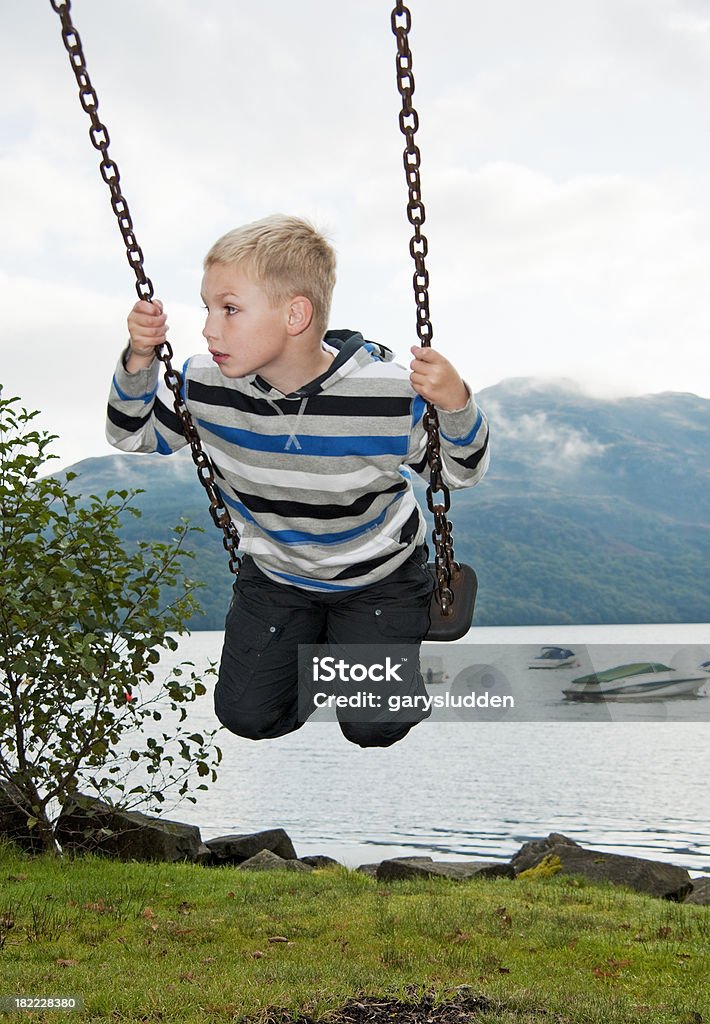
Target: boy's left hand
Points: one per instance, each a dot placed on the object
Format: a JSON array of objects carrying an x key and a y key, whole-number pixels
[{"x": 434, "y": 378}]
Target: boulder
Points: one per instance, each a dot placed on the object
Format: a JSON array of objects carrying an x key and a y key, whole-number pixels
[
  {"x": 238, "y": 848},
  {"x": 531, "y": 853},
  {"x": 701, "y": 892},
  {"x": 319, "y": 860},
  {"x": 204, "y": 855},
  {"x": 265, "y": 860},
  {"x": 560, "y": 854},
  {"x": 368, "y": 869},
  {"x": 89, "y": 825},
  {"x": 424, "y": 867},
  {"x": 13, "y": 819}
]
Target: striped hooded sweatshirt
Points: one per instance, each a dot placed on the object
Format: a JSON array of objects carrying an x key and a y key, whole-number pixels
[{"x": 317, "y": 482}]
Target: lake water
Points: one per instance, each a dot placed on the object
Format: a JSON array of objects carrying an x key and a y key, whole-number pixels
[{"x": 629, "y": 778}]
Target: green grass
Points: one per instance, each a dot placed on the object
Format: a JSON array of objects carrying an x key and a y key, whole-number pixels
[{"x": 158, "y": 942}]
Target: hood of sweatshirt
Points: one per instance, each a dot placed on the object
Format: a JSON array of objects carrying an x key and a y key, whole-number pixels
[{"x": 352, "y": 352}]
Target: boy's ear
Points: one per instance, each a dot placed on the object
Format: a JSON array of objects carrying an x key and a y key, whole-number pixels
[{"x": 300, "y": 315}]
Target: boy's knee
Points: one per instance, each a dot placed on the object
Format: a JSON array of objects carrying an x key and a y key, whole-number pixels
[
  {"x": 254, "y": 726},
  {"x": 374, "y": 734}
]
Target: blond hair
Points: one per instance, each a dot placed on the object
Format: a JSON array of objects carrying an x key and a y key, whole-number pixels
[{"x": 286, "y": 256}]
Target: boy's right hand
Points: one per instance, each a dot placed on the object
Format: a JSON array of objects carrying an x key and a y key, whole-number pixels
[{"x": 147, "y": 329}]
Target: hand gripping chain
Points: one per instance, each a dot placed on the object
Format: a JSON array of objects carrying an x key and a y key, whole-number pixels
[
  {"x": 109, "y": 172},
  {"x": 445, "y": 566}
]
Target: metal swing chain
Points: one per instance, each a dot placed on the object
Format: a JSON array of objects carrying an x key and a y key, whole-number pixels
[
  {"x": 446, "y": 567},
  {"x": 109, "y": 172}
]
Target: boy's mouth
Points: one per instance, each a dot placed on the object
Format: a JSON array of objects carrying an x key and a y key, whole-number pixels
[{"x": 218, "y": 357}]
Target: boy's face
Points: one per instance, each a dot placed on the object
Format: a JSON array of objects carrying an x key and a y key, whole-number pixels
[{"x": 246, "y": 334}]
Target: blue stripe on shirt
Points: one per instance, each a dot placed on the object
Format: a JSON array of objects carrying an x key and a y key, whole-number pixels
[
  {"x": 296, "y": 537},
  {"x": 471, "y": 434},
  {"x": 147, "y": 397},
  {"x": 323, "y": 445},
  {"x": 373, "y": 351},
  {"x": 418, "y": 407},
  {"x": 311, "y": 584},
  {"x": 161, "y": 445},
  {"x": 182, "y": 382}
]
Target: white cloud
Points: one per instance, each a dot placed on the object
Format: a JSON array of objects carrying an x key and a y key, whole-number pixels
[
  {"x": 553, "y": 446},
  {"x": 60, "y": 345},
  {"x": 563, "y": 172}
]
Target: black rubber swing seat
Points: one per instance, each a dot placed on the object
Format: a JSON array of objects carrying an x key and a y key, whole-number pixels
[{"x": 456, "y": 624}]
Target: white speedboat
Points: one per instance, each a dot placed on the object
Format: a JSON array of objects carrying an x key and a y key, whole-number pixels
[
  {"x": 554, "y": 657},
  {"x": 641, "y": 680}
]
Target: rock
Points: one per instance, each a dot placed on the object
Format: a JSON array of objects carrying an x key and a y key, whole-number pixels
[
  {"x": 561, "y": 854},
  {"x": 369, "y": 869},
  {"x": 425, "y": 867},
  {"x": 700, "y": 893},
  {"x": 13, "y": 819},
  {"x": 204, "y": 855},
  {"x": 319, "y": 860},
  {"x": 238, "y": 848},
  {"x": 462, "y": 870},
  {"x": 532, "y": 852},
  {"x": 89, "y": 825},
  {"x": 265, "y": 860}
]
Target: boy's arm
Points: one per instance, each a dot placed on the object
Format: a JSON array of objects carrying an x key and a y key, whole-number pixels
[
  {"x": 140, "y": 416},
  {"x": 463, "y": 427}
]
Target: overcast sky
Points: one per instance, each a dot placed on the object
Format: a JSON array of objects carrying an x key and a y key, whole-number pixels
[{"x": 565, "y": 166}]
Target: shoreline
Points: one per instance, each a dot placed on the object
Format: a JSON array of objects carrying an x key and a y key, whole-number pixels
[{"x": 352, "y": 854}]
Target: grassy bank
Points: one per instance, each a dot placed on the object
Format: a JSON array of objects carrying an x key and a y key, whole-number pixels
[{"x": 142, "y": 942}]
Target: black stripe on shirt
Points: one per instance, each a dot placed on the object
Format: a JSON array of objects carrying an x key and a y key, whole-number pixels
[
  {"x": 473, "y": 460},
  {"x": 317, "y": 510},
  {"x": 420, "y": 466},
  {"x": 168, "y": 417},
  {"x": 408, "y": 531},
  {"x": 352, "y": 572},
  {"x": 131, "y": 424},
  {"x": 318, "y": 405},
  {"x": 411, "y": 527}
]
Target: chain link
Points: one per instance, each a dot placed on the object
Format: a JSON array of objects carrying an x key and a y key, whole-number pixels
[
  {"x": 98, "y": 133},
  {"x": 446, "y": 567}
]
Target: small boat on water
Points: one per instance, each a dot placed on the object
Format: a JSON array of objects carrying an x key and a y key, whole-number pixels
[
  {"x": 641, "y": 680},
  {"x": 432, "y": 669},
  {"x": 553, "y": 657}
]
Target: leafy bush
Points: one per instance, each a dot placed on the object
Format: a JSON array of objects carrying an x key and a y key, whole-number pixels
[{"x": 83, "y": 625}]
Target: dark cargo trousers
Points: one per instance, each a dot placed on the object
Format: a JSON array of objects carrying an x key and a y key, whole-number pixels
[{"x": 257, "y": 692}]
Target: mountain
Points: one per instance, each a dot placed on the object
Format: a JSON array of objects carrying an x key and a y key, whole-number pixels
[{"x": 592, "y": 511}]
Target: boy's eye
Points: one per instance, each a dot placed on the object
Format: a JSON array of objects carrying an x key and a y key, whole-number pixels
[{"x": 230, "y": 310}]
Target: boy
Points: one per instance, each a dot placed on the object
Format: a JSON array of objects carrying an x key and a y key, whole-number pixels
[{"x": 311, "y": 435}]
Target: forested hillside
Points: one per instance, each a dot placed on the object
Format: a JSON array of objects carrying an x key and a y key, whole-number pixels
[{"x": 592, "y": 511}]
